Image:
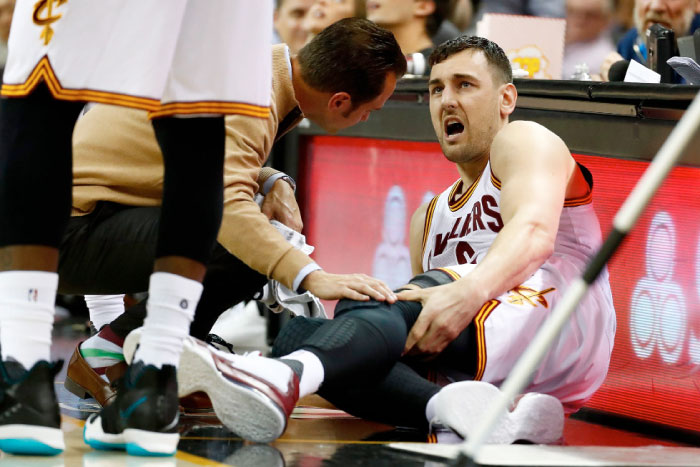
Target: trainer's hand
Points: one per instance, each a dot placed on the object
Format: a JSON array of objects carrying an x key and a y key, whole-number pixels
[
  {"x": 446, "y": 313},
  {"x": 281, "y": 205},
  {"x": 353, "y": 286}
]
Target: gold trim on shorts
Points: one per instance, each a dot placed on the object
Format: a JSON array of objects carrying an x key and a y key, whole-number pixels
[
  {"x": 479, "y": 321},
  {"x": 44, "y": 72}
]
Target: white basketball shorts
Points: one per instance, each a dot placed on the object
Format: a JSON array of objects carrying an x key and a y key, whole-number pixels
[
  {"x": 577, "y": 362},
  {"x": 166, "y": 56}
]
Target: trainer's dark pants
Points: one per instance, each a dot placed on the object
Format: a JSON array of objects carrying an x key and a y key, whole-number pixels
[
  {"x": 111, "y": 251},
  {"x": 360, "y": 350}
]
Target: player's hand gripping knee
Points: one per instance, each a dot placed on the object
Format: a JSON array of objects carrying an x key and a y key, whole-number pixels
[
  {"x": 353, "y": 286},
  {"x": 446, "y": 312}
]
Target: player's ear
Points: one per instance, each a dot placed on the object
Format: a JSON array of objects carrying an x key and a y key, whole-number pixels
[
  {"x": 340, "y": 101},
  {"x": 508, "y": 97}
]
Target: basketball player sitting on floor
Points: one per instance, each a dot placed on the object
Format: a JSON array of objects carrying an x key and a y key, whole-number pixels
[{"x": 493, "y": 255}]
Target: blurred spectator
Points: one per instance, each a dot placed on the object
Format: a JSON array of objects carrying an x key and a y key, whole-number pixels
[
  {"x": 413, "y": 23},
  {"x": 7, "y": 7},
  {"x": 461, "y": 13},
  {"x": 683, "y": 16},
  {"x": 288, "y": 22},
  {"x": 623, "y": 18},
  {"x": 459, "y": 17},
  {"x": 680, "y": 15},
  {"x": 323, "y": 13},
  {"x": 545, "y": 8},
  {"x": 588, "y": 39}
]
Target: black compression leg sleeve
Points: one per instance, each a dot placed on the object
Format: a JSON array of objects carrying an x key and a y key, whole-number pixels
[
  {"x": 193, "y": 154},
  {"x": 397, "y": 399},
  {"x": 363, "y": 341},
  {"x": 294, "y": 334},
  {"x": 35, "y": 167}
]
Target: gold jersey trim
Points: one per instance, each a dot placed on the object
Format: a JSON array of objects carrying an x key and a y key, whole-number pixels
[
  {"x": 43, "y": 71},
  {"x": 210, "y": 107},
  {"x": 457, "y": 204},
  {"x": 479, "y": 321},
  {"x": 568, "y": 202},
  {"x": 428, "y": 221}
]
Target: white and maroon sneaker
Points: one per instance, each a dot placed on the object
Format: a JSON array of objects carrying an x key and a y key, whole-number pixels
[{"x": 253, "y": 396}]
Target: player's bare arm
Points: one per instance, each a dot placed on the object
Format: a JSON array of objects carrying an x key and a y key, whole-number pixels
[
  {"x": 416, "y": 232},
  {"x": 534, "y": 167}
]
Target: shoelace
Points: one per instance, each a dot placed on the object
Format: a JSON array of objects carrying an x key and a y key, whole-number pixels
[{"x": 214, "y": 339}]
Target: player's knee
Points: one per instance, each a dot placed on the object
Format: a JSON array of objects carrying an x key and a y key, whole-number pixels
[{"x": 346, "y": 305}]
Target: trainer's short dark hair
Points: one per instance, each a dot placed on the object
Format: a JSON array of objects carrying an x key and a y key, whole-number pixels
[
  {"x": 494, "y": 54},
  {"x": 442, "y": 11},
  {"x": 352, "y": 55}
]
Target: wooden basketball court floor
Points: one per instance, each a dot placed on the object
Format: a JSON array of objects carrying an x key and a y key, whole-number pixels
[{"x": 317, "y": 435}]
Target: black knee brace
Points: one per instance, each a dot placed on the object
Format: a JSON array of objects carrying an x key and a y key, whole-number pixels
[
  {"x": 36, "y": 170},
  {"x": 193, "y": 154},
  {"x": 431, "y": 279}
]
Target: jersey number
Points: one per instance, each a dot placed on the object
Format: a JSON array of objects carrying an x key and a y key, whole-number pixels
[{"x": 465, "y": 252}]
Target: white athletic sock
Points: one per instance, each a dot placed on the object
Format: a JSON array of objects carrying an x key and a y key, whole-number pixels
[
  {"x": 104, "y": 308},
  {"x": 444, "y": 434},
  {"x": 27, "y": 300},
  {"x": 313, "y": 374},
  {"x": 172, "y": 300},
  {"x": 430, "y": 408}
]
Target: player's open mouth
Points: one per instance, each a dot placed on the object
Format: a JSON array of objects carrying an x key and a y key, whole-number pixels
[{"x": 453, "y": 128}]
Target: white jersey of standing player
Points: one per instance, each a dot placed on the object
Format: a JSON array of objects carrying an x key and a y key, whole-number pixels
[{"x": 458, "y": 233}]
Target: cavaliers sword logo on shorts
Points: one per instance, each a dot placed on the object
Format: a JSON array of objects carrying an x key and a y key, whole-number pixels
[
  {"x": 522, "y": 295},
  {"x": 45, "y": 8}
]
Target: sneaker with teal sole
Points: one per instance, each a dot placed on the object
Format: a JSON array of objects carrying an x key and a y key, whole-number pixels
[
  {"x": 143, "y": 418},
  {"x": 30, "y": 422}
]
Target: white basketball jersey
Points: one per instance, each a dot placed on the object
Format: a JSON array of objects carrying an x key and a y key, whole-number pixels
[{"x": 458, "y": 233}]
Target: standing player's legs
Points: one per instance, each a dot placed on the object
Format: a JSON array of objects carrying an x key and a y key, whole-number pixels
[
  {"x": 193, "y": 151},
  {"x": 143, "y": 418},
  {"x": 35, "y": 199}
]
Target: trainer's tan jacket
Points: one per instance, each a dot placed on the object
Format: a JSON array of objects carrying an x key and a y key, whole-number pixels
[{"x": 117, "y": 158}]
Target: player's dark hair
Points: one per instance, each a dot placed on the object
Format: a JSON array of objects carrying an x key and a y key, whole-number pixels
[
  {"x": 494, "y": 54},
  {"x": 433, "y": 21},
  {"x": 352, "y": 55}
]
